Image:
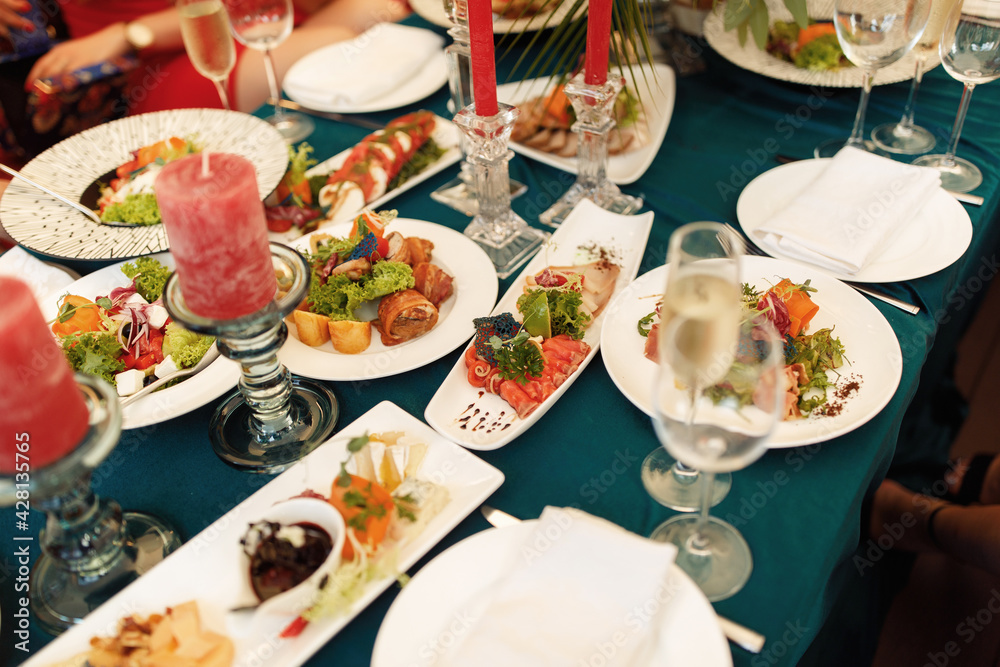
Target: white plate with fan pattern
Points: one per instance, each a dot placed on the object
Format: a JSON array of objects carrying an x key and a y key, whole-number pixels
[{"x": 45, "y": 225}]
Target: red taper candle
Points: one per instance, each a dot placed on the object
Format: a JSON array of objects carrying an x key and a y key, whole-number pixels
[
  {"x": 598, "y": 42},
  {"x": 217, "y": 230},
  {"x": 484, "y": 75},
  {"x": 43, "y": 416}
]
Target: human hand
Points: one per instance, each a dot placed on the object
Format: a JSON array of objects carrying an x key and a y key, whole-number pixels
[
  {"x": 95, "y": 48},
  {"x": 10, "y": 17}
]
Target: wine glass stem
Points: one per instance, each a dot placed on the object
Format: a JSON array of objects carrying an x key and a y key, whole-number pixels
[
  {"x": 859, "y": 117},
  {"x": 272, "y": 84},
  {"x": 699, "y": 541},
  {"x": 956, "y": 131},
  {"x": 223, "y": 95},
  {"x": 906, "y": 123}
]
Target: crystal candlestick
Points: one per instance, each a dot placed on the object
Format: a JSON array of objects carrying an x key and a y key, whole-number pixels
[
  {"x": 90, "y": 549},
  {"x": 594, "y": 107},
  {"x": 460, "y": 193},
  {"x": 503, "y": 234},
  {"x": 273, "y": 419}
]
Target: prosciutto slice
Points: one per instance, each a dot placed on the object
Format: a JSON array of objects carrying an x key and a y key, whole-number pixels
[
  {"x": 405, "y": 315},
  {"x": 432, "y": 281}
]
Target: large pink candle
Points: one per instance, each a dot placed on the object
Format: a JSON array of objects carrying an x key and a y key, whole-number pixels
[
  {"x": 218, "y": 235},
  {"x": 42, "y": 413},
  {"x": 598, "y": 42},
  {"x": 484, "y": 75}
]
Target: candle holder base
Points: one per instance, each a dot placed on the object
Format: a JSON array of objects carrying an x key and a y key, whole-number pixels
[
  {"x": 60, "y": 598},
  {"x": 313, "y": 410},
  {"x": 460, "y": 195},
  {"x": 273, "y": 420},
  {"x": 594, "y": 106},
  {"x": 606, "y": 195},
  {"x": 513, "y": 250}
]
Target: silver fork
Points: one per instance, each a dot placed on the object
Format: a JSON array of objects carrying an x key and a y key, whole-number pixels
[
  {"x": 210, "y": 356},
  {"x": 753, "y": 249}
]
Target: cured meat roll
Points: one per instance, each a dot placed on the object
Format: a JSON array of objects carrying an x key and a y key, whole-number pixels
[
  {"x": 432, "y": 281},
  {"x": 405, "y": 315}
]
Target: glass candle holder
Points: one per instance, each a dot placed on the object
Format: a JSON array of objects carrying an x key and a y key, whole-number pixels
[
  {"x": 460, "y": 193},
  {"x": 90, "y": 549},
  {"x": 273, "y": 419},
  {"x": 503, "y": 234},
  {"x": 594, "y": 107}
]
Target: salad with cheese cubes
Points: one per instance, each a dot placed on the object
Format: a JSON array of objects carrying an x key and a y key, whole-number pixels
[{"x": 127, "y": 337}]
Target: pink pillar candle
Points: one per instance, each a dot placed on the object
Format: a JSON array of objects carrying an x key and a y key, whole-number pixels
[
  {"x": 218, "y": 235},
  {"x": 484, "y": 75},
  {"x": 43, "y": 415},
  {"x": 598, "y": 42}
]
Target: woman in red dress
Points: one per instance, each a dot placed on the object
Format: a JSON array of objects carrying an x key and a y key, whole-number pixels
[{"x": 104, "y": 29}]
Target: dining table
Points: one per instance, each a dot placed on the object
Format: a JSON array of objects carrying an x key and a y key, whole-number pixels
[{"x": 813, "y": 589}]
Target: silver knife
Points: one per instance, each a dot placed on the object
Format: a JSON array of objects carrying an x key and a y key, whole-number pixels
[
  {"x": 350, "y": 119},
  {"x": 738, "y": 634}
]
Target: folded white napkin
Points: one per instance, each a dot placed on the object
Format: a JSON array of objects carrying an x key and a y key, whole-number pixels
[
  {"x": 857, "y": 205},
  {"x": 45, "y": 281},
  {"x": 367, "y": 67},
  {"x": 579, "y": 589}
]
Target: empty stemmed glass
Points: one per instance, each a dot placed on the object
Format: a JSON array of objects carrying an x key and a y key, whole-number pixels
[
  {"x": 703, "y": 282},
  {"x": 208, "y": 42},
  {"x": 904, "y": 137},
  {"x": 263, "y": 25},
  {"x": 724, "y": 429},
  {"x": 970, "y": 53},
  {"x": 873, "y": 34}
]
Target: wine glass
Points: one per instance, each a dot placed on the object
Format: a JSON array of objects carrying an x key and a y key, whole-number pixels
[
  {"x": 724, "y": 429},
  {"x": 873, "y": 34},
  {"x": 263, "y": 25},
  {"x": 208, "y": 42},
  {"x": 703, "y": 281},
  {"x": 970, "y": 52},
  {"x": 904, "y": 137}
]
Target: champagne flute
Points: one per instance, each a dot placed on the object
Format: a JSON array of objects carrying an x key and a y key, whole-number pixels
[
  {"x": 970, "y": 53},
  {"x": 703, "y": 283},
  {"x": 723, "y": 430},
  {"x": 904, "y": 137},
  {"x": 263, "y": 25},
  {"x": 873, "y": 34},
  {"x": 208, "y": 42}
]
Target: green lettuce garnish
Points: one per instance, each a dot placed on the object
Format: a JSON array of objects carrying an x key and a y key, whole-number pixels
[
  {"x": 186, "y": 347},
  {"x": 149, "y": 276},
  {"x": 137, "y": 209}
]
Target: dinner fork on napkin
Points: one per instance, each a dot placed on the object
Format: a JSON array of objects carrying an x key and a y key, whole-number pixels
[
  {"x": 856, "y": 206},
  {"x": 574, "y": 582},
  {"x": 348, "y": 74}
]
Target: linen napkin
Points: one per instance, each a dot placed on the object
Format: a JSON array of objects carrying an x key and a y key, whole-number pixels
[
  {"x": 44, "y": 280},
  {"x": 367, "y": 67},
  {"x": 578, "y": 589},
  {"x": 854, "y": 208}
]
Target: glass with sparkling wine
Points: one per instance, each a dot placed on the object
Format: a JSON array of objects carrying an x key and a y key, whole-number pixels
[
  {"x": 703, "y": 286},
  {"x": 970, "y": 53},
  {"x": 209, "y": 44},
  {"x": 263, "y": 25},
  {"x": 873, "y": 34}
]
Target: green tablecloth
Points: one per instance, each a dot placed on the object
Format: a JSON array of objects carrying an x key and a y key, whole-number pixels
[{"x": 799, "y": 509}]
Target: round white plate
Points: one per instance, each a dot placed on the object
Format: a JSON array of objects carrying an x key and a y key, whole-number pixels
[
  {"x": 50, "y": 227},
  {"x": 869, "y": 342},
  {"x": 432, "y": 11},
  {"x": 657, "y": 95},
  {"x": 475, "y": 292},
  {"x": 439, "y": 592},
  {"x": 748, "y": 56},
  {"x": 425, "y": 82},
  {"x": 936, "y": 238},
  {"x": 194, "y": 392}
]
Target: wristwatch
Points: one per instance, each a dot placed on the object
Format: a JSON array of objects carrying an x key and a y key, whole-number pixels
[{"x": 138, "y": 35}]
